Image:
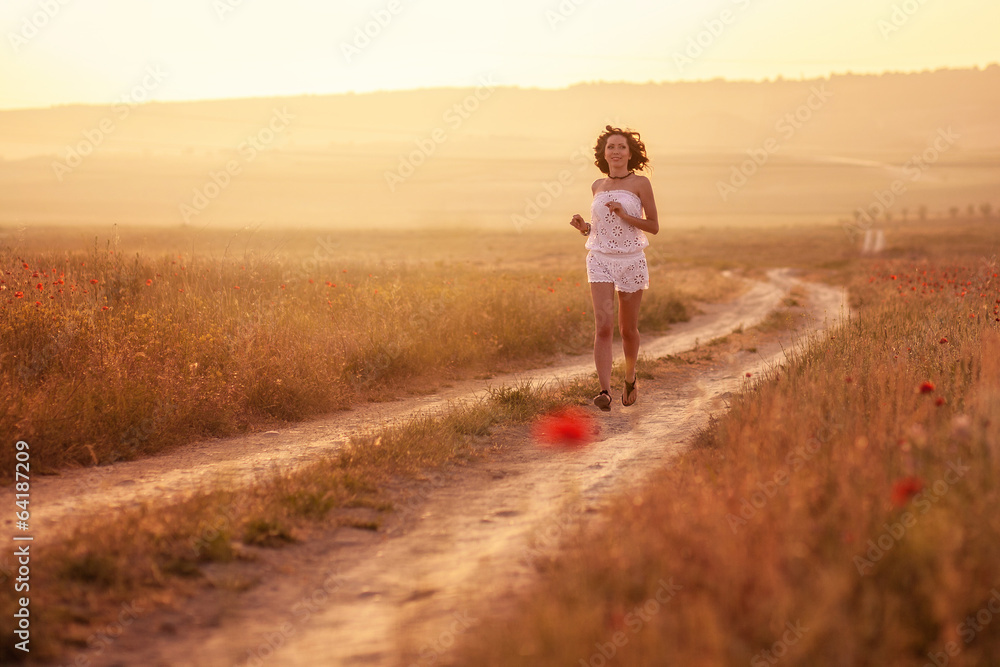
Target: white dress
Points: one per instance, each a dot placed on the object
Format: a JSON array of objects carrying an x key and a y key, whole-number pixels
[{"x": 616, "y": 247}]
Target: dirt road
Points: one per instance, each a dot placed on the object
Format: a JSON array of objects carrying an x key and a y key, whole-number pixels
[{"x": 402, "y": 595}]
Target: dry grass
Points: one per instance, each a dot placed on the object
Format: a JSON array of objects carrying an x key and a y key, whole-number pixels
[
  {"x": 156, "y": 552},
  {"x": 108, "y": 356},
  {"x": 798, "y": 533},
  {"x": 788, "y": 535}
]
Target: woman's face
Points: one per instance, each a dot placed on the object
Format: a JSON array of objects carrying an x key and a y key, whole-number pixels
[{"x": 616, "y": 151}]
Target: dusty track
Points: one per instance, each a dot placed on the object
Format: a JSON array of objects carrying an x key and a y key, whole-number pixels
[{"x": 348, "y": 596}]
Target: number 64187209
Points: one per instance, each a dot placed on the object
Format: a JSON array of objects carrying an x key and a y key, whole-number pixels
[{"x": 22, "y": 462}]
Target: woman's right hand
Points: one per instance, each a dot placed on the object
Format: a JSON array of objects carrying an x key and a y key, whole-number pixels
[{"x": 579, "y": 223}]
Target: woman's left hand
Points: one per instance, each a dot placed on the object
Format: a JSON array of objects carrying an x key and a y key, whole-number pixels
[{"x": 616, "y": 208}]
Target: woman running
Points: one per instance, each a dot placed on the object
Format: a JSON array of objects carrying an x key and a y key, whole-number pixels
[{"x": 616, "y": 260}]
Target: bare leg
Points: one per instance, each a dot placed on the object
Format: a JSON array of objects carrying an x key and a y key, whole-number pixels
[
  {"x": 628, "y": 324},
  {"x": 604, "y": 312}
]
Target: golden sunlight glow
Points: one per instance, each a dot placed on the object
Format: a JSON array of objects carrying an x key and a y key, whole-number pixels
[{"x": 58, "y": 51}]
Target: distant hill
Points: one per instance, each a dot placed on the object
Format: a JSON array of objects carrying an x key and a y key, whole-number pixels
[{"x": 495, "y": 155}]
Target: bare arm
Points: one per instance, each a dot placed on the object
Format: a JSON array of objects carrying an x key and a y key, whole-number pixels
[
  {"x": 577, "y": 221},
  {"x": 650, "y": 224}
]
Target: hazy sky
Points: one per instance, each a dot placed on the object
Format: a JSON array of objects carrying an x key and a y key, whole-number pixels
[{"x": 97, "y": 51}]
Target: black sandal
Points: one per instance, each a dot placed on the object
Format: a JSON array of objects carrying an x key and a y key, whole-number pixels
[
  {"x": 628, "y": 389},
  {"x": 603, "y": 400}
]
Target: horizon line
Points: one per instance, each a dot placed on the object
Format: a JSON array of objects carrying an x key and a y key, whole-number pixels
[{"x": 779, "y": 78}]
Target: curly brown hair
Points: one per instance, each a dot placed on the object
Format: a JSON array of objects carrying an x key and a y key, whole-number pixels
[{"x": 637, "y": 149}]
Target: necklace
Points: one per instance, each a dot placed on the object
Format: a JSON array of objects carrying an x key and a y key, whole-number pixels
[{"x": 620, "y": 177}]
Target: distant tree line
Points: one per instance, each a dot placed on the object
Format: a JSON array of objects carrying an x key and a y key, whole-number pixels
[{"x": 984, "y": 211}]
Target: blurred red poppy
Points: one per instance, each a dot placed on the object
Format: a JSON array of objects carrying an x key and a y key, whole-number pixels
[
  {"x": 568, "y": 428},
  {"x": 927, "y": 387},
  {"x": 904, "y": 489}
]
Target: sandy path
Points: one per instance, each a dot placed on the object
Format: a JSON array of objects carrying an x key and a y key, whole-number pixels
[
  {"x": 58, "y": 500},
  {"x": 400, "y": 596}
]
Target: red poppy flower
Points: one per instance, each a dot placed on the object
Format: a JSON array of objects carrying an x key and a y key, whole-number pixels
[
  {"x": 927, "y": 387},
  {"x": 18, "y": 295},
  {"x": 943, "y": 340},
  {"x": 904, "y": 489},
  {"x": 939, "y": 401},
  {"x": 93, "y": 281},
  {"x": 40, "y": 286},
  {"x": 568, "y": 428}
]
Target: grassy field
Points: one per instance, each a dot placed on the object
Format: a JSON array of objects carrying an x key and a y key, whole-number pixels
[
  {"x": 157, "y": 553},
  {"x": 119, "y": 351},
  {"x": 822, "y": 512},
  {"x": 842, "y": 512}
]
